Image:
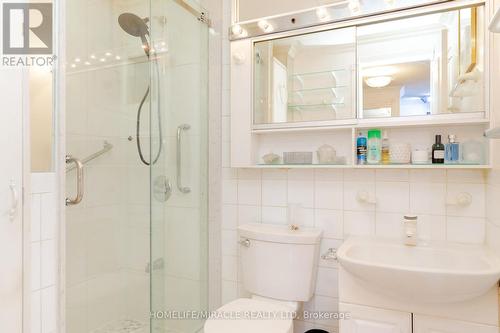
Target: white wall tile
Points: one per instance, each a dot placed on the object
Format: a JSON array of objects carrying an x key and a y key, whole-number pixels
[
  {"x": 249, "y": 192},
  {"x": 229, "y": 217},
  {"x": 36, "y": 217},
  {"x": 229, "y": 243},
  {"x": 274, "y": 193},
  {"x": 48, "y": 216},
  {"x": 466, "y": 176},
  {"x": 274, "y": 215},
  {"x": 359, "y": 223},
  {"x": 326, "y": 305},
  {"x": 392, "y": 175},
  {"x": 478, "y": 206},
  {"x": 49, "y": 306},
  {"x": 389, "y": 225},
  {"x": 36, "y": 312},
  {"x": 230, "y": 268},
  {"x": 274, "y": 174},
  {"x": 35, "y": 266},
  {"x": 301, "y": 174},
  {"x": 428, "y": 198},
  {"x": 466, "y": 230},
  {"x": 328, "y": 195},
  {"x": 327, "y": 282},
  {"x": 428, "y": 176},
  {"x": 431, "y": 227},
  {"x": 329, "y": 175},
  {"x": 249, "y": 214},
  {"x": 356, "y": 175},
  {"x": 393, "y": 197},
  {"x": 230, "y": 191},
  {"x": 351, "y": 191},
  {"x": 301, "y": 192},
  {"x": 229, "y": 291},
  {"x": 331, "y": 222},
  {"x": 48, "y": 263}
]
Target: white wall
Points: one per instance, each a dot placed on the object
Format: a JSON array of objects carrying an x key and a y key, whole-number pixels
[
  {"x": 12, "y": 116},
  {"x": 328, "y": 198},
  {"x": 493, "y": 189},
  {"x": 44, "y": 254}
]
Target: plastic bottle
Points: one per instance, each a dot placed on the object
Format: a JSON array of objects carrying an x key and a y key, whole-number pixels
[
  {"x": 386, "y": 156},
  {"x": 374, "y": 154},
  {"x": 361, "y": 147}
]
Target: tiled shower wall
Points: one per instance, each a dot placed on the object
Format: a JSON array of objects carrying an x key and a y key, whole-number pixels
[
  {"x": 43, "y": 273},
  {"x": 329, "y": 201}
]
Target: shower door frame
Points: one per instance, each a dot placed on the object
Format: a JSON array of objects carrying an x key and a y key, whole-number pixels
[{"x": 60, "y": 151}]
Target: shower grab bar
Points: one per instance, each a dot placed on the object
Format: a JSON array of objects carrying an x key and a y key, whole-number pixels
[
  {"x": 79, "y": 181},
  {"x": 106, "y": 147},
  {"x": 183, "y": 127}
]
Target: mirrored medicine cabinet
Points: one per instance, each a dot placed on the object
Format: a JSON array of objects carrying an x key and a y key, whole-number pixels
[{"x": 428, "y": 65}]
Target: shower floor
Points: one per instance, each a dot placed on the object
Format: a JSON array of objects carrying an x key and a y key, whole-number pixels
[{"x": 123, "y": 326}]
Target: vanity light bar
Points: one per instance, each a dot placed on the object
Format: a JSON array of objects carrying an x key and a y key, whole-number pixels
[{"x": 340, "y": 11}]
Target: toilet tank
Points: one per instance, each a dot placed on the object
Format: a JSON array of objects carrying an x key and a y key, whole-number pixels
[{"x": 279, "y": 262}]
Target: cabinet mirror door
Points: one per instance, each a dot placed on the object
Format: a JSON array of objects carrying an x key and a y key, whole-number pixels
[
  {"x": 427, "y": 65},
  {"x": 307, "y": 78}
]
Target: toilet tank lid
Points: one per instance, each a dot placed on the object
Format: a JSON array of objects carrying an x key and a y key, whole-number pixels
[{"x": 279, "y": 233}]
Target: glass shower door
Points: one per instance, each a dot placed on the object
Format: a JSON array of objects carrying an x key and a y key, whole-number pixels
[
  {"x": 179, "y": 243},
  {"x": 136, "y": 74}
]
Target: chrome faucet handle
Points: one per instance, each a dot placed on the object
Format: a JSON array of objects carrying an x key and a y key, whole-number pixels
[
  {"x": 331, "y": 254},
  {"x": 244, "y": 242}
]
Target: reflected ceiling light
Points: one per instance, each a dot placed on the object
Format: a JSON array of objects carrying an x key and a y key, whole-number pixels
[
  {"x": 265, "y": 26},
  {"x": 87, "y": 63},
  {"x": 78, "y": 59},
  {"x": 92, "y": 56},
  {"x": 102, "y": 60},
  {"x": 354, "y": 6},
  {"x": 379, "y": 71},
  {"x": 322, "y": 14},
  {"x": 118, "y": 58},
  {"x": 73, "y": 66},
  {"x": 378, "y": 81},
  {"x": 108, "y": 54}
]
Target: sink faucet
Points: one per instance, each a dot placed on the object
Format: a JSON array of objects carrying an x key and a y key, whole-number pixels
[{"x": 410, "y": 224}]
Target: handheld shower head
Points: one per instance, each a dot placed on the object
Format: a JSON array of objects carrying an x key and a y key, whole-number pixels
[{"x": 135, "y": 26}]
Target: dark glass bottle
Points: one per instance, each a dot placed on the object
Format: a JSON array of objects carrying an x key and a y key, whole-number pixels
[{"x": 438, "y": 151}]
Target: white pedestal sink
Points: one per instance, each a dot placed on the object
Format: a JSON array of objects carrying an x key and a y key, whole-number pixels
[{"x": 427, "y": 273}]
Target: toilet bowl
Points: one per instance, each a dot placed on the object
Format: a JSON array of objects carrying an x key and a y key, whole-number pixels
[
  {"x": 279, "y": 270},
  {"x": 248, "y": 315}
]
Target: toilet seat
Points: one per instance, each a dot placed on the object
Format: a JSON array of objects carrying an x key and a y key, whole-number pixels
[{"x": 246, "y": 315}]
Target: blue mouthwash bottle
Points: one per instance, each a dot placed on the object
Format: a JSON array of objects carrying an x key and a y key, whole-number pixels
[{"x": 361, "y": 148}]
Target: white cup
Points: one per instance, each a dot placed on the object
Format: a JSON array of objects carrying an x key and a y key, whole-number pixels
[{"x": 420, "y": 156}]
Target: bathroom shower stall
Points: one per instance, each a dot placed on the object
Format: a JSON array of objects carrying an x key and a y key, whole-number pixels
[{"x": 136, "y": 126}]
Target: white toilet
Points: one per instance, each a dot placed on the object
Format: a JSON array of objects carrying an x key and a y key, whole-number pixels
[{"x": 279, "y": 269}]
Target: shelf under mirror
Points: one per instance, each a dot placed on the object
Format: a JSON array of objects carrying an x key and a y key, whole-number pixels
[{"x": 319, "y": 107}]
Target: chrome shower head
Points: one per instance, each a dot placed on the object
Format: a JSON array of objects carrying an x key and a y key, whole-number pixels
[{"x": 135, "y": 26}]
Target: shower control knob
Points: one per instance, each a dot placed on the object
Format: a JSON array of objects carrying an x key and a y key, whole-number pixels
[{"x": 245, "y": 242}]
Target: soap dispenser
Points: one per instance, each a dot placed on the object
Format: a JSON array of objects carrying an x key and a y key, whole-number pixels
[{"x": 410, "y": 227}]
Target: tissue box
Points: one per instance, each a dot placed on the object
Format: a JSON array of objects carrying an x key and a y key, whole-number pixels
[{"x": 297, "y": 157}]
